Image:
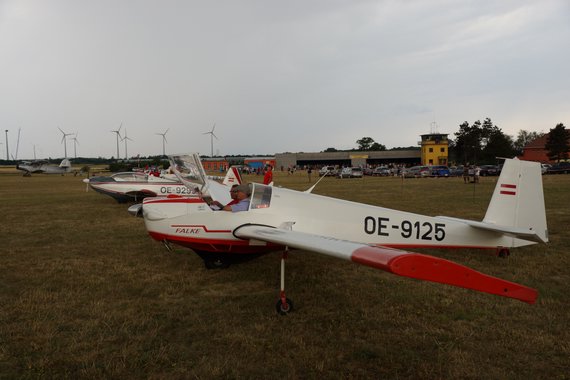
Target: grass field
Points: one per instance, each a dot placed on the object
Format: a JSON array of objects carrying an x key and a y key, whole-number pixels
[{"x": 85, "y": 293}]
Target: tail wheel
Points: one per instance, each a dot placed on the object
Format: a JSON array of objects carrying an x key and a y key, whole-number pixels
[{"x": 284, "y": 307}]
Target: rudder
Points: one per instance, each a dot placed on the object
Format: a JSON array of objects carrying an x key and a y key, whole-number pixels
[{"x": 518, "y": 199}]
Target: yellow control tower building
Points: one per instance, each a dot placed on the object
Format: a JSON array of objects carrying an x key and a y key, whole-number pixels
[{"x": 435, "y": 149}]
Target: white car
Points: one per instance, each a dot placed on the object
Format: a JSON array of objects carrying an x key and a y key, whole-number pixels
[
  {"x": 350, "y": 173},
  {"x": 327, "y": 170}
]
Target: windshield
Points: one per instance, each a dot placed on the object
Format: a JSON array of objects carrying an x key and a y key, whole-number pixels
[
  {"x": 188, "y": 169},
  {"x": 261, "y": 196},
  {"x": 130, "y": 177}
]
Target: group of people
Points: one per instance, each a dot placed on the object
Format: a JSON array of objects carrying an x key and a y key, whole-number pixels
[{"x": 471, "y": 171}]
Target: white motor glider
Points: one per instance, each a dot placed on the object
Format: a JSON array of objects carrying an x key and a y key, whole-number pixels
[
  {"x": 43, "y": 166},
  {"x": 374, "y": 236},
  {"x": 135, "y": 186}
]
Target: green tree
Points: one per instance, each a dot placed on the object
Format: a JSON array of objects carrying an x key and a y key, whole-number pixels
[
  {"x": 467, "y": 145},
  {"x": 365, "y": 143},
  {"x": 377, "y": 147},
  {"x": 480, "y": 143},
  {"x": 557, "y": 143},
  {"x": 497, "y": 145},
  {"x": 523, "y": 138}
]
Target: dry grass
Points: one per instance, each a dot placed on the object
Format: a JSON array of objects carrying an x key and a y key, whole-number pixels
[{"x": 84, "y": 292}]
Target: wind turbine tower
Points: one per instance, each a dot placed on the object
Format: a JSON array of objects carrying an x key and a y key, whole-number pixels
[
  {"x": 125, "y": 140},
  {"x": 212, "y": 135},
  {"x": 7, "y": 154},
  {"x": 75, "y": 142},
  {"x": 163, "y": 141},
  {"x": 64, "y": 140},
  {"x": 118, "y": 132}
]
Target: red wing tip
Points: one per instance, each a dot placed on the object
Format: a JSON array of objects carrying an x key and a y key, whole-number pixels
[{"x": 434, "y": 269}]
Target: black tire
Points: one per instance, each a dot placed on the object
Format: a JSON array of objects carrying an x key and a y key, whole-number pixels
[
  {"x": 214, "y": 261},
  {"x": 284, "y": 308},
  {"x": 504, "y": 253}
]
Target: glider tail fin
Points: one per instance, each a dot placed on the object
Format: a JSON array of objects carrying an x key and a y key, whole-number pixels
[
  {"x": 518, "y": 199},
  {"x": 232, "y": 177},
  {"x": 65, "y": 163}
]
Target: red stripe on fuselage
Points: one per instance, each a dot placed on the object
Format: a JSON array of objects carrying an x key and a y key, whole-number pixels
[
  {"x": 202, "y": 227},
  {"x": 181, "y": 199},
  {"x": 216, "y": 245}
]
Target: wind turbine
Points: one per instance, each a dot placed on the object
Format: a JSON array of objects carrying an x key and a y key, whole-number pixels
[
  {"x": 118, "y": 132},
  {"x": 75, "y": 142},
  {"x": 64, "y": 140},
  {"x": 163, "y": 140},
  {"x": 212, "y": 135},
  {"x": 125, "y": 138}
]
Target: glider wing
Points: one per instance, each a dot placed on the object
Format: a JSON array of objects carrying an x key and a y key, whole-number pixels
[{"x": 402, "y": 263}]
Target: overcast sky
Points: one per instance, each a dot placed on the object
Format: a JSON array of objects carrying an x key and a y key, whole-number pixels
[{"x": 275, "y": 76}]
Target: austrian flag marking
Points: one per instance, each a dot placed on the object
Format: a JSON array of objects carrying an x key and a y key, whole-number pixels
[{"x": 507, "y": 189}]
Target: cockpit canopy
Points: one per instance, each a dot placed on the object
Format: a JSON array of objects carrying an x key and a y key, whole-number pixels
[
  {"x": 188, "y": 168},
  {"x": 130, "y": 177},
  {"x": 261, "y": 196}
]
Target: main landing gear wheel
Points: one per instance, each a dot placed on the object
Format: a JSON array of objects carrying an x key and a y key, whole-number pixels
[
  {"x": 503, "y": 253},
  {"x": 216, "y": 262},
  {"x": 284, "y": 307}
]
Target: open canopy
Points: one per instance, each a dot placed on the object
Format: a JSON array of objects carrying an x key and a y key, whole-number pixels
[{"x": 189, "y": 170}]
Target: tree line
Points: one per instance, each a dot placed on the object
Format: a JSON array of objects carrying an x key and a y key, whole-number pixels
[{"x": 482, "y": 142}]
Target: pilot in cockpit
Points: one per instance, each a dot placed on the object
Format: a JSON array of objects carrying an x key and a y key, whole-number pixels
[
  {"x": 215, "y": 205},
  {"x": 241, "y": 193}
]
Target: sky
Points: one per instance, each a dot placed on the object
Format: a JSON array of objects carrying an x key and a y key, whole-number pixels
[{"x": 274, "y": 76}]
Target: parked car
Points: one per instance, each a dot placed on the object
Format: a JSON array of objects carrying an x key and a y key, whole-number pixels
[
  {"x": 327, "y": 170},
  {"x": 357, "y": 172},
  {"x": 350, "y": 173},
  {"x": 487, "y": 170},
  {"x": 416, "y": 172},
  {"x": 559, "y": 168},
  {"x": 381, "y": 171},
  {"x": 544, "y": 168},
  {"x": 456, "y": 171},
  {"x": 439, "y": 171}
]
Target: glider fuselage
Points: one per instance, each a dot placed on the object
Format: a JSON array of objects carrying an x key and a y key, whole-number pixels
[{"x": 191, "y": 223}]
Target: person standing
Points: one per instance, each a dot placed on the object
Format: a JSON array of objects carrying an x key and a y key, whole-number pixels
[{"x": 268, "y": 177}]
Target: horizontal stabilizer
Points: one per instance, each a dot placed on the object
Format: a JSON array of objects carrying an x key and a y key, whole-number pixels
[
  {"x": 516, "y": 232},
  {"x": 402, "y": 263}
]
